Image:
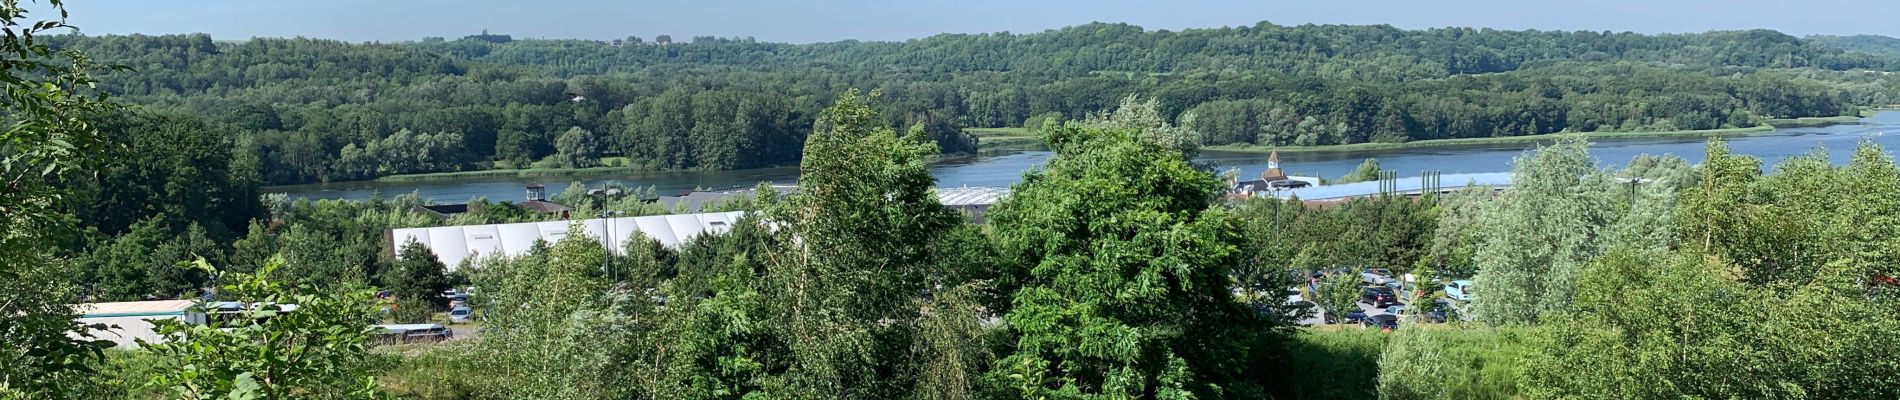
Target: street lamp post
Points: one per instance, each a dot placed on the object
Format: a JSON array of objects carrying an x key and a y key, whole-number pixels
[
  {"x": 601, "y": 196},
  {"x": 1632, "y": 182}
]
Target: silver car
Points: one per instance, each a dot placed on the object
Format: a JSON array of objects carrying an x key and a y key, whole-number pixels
[{"x": 460, "y": 315}]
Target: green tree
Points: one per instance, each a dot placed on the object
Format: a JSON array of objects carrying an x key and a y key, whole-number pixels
[
  {"x": 1454, "y": 242},
  {"x": 1145, "y": 118},
  {"x": 576, "y": 148},
  {"x": 1366, "y": 172},
  {"x": 1639, "y": 331},
  {"x": 317, "y": 350},
  {"x": 170, "y": 166},
  {"x": 49, "y": 138},
  {"x": 549, "y": 314},
  {"x": 1339, "y": 293},
  {"x": 411, "y": 311},
  {"x": 725, "y": 348},
  {"x": 1036, "y": 122},
  {"x": 857, "y": 256},
  {"x": 1125, "y": 289},
  {"x": 1542, "y": 231},
  {"x": 417, "y": 276}
]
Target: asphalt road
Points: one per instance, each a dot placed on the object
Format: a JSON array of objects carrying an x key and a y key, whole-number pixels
[{"x": 465, "y": 331}]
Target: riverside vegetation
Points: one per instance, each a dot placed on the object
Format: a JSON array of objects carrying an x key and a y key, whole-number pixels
[{"x": 1116, "y": 270}]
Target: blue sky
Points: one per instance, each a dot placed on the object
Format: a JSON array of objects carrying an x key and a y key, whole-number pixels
[{"x": 806, "y": 21}]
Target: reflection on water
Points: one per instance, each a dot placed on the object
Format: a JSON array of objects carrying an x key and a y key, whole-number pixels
[{"x": 1005, "y": 168}]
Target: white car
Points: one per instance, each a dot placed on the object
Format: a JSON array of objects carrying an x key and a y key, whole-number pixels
[
  {"x": 1376, "y": 276},
  {"x": 1459, "y": 290}
]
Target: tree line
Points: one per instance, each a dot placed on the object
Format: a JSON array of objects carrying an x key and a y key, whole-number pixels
[{"x": 317, "y": 110}]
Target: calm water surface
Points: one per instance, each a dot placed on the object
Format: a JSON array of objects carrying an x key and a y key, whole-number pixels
[{"x": 1006, "y": 169}]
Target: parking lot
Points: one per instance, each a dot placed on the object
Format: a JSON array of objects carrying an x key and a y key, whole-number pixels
[
  {"x": 1315, "y": 319},
  {"x": 1371, "y": 310}
]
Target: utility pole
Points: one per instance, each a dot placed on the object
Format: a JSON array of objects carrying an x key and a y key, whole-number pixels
[
  {"x": 1632, "y": 182},
  {"x": 600, "y": 199}
]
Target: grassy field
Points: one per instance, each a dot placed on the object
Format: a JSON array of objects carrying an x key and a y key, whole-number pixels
[
  {"x": 995, "y": 138},
  {"x": 1342, "y": 362},
  {"x": 1812, "y": 121}
]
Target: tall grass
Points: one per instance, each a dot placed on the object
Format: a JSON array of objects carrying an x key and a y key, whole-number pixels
[
  {"x": 1423, "y": 361},
  {"x": 1455, "y": 363},
  {"x": 429, "y": 371},
  {"x": 1330, "y": 362}
]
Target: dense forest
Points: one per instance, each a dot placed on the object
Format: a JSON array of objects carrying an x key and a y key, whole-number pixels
[
  {"x": 308, "y": 110},
  {"x": 1870, "y": 44}
]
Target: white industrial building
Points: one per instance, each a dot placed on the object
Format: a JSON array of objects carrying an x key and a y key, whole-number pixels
[
  {"x": 453, "y": 244},
  {"x": 129, "y": 321}
]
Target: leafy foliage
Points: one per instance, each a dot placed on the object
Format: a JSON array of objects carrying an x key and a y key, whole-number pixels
[
  {"x": 417, "y": 276},
  {"x": 1540, "y": 234},
  {"x": 317, "y": 349},
  {"x": 857, "y": 254},
  {"x": 46, "y": 139},
  {"x": 1642, "y": 321},
  {"x": 1123, "y": 269}
]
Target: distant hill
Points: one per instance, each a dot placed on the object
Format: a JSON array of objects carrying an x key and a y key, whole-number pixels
[
  {"x": 1870, "y": 44},
  {"x": 314, "y": 110}
]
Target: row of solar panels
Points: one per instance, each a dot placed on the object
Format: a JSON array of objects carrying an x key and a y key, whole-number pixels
[{"x": 454, "y": 244}]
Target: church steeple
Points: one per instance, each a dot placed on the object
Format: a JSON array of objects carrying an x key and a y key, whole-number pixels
[{"x": 1273, "y": 172}]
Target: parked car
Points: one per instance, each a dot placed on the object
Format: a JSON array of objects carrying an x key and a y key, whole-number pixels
[
  {"x": 1386, "y": 322},
  {"x": 461, "y": 314},
  {"x": 1441, "y": 312},
  {"x": 1459, "y": 290},
  {"x": 1376, "y": 276},
  {"x": 1395, "y": 310},
  {"x": 1356, "y": 316},
  {"x": 1379, "y": 296},
  {"x": 412, "y": 333}
]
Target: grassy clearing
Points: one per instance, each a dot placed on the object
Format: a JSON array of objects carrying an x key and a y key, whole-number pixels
[
  {"x": 428, "y": 371},
  {"x": 1004, "y": 138},
  {"x": 1812, "y": 121},
  {"x": 1250, "y": 148},
  {"x": 996, "y": 132},
  {"x": 1331, "y": 363}
]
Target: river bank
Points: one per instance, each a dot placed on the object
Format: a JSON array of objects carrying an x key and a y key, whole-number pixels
[
  {"x": 1018, "y": 138},
  {"x": 1003, "y": 167}
]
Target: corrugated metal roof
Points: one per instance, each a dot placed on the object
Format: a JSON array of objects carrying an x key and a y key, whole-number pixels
[
  {"x": 453, "y": 244},
  {"x": 134, "y": 308},
  {"x": 970, "y": 196},
  {"x": 1405, "y": 185}
]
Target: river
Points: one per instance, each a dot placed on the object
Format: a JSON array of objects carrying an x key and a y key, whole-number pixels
[{"x": 1007, "y": 168}]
